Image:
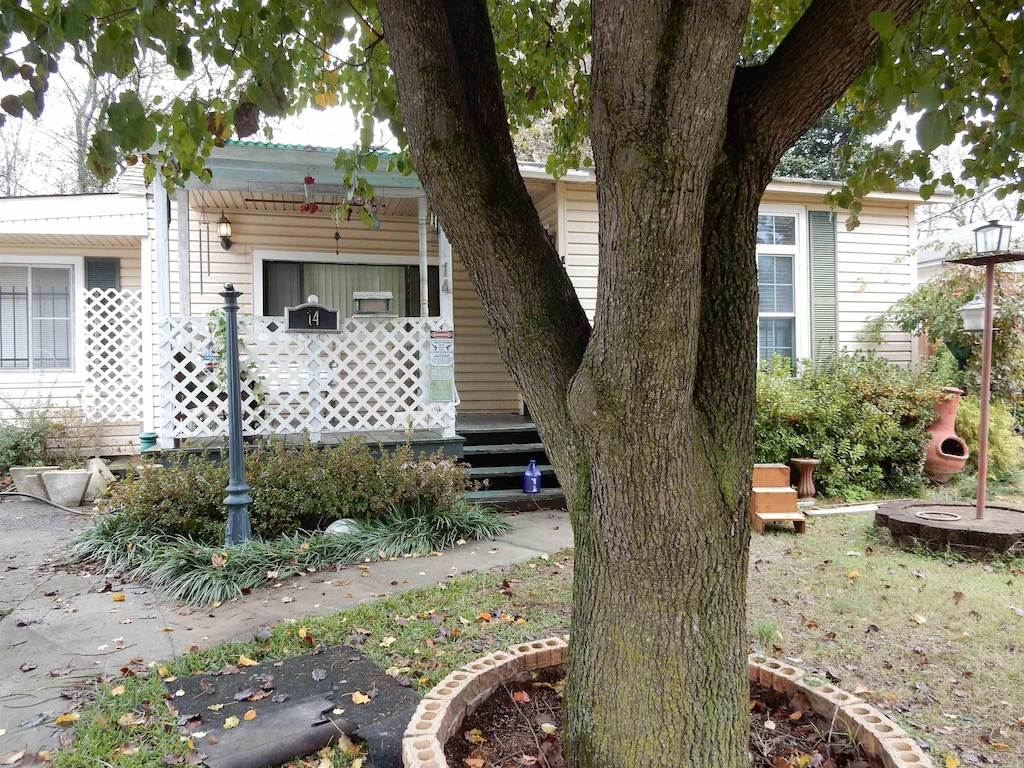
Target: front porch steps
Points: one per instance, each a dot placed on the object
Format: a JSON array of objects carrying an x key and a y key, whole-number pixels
[
  {"x": 497, "y": 449},
  {"x": 772, "y": 500}
]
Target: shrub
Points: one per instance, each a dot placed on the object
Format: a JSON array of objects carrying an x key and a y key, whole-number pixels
[
  {"x": 293, "y": 487},
  {"x": 1004, "y": 447},
  {"x": 23, "y": 439},
  {"x": 864, "y": 418}
]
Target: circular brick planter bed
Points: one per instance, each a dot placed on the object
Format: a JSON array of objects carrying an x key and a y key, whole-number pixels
[
  {"x": 441, "y": 712},
  {"x": 953, "y": 524}
]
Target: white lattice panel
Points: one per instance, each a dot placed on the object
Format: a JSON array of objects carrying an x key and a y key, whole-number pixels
[
  {"x": 113, "y": 355},
  {"x": 372, "y": 375}
]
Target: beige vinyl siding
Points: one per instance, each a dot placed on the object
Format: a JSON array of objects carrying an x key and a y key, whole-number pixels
[
  {"x": 480, "y": 375},
  {"x": 545, "y": 200},
  {"x": 874, "y": 270},
  {"x": 581, "y": 243}
]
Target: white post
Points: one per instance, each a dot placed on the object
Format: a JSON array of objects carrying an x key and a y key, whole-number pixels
[
  {"x": 444, "y": 269},
  {"x": 150, "y": 369},
  {"x": 424, "y": 278},
  {"x": 161, "y": 206},
  {"x": 184, "y": 255}
]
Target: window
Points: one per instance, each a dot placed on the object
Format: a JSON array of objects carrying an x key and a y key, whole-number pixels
[
  {"x": 778, "y": 272},
  {"x": 35, "y": 317},
  {"x": 289, "y": 283}
]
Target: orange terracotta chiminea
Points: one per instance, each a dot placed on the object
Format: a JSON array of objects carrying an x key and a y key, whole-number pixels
[{"x": 946, "y": 453}]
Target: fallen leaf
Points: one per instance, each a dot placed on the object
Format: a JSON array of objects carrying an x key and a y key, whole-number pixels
[
  {"x": 360, "y": 698},
  {"x": 249, "y": 715},
  {"x": 474, "y": 736},
  {"x": 231, "y": 722},
  {"x": 548, "y": 727},
  {"x": 852, "y": 575},
  {"x": 917, "y": 617},
  {"x": 67, "y": 719},
  {"x": 28, "y": 666},
  {"x": 957, "y": 597},
  {"x": 318, "y": 674},
  {"x": 474, "y": 762},
  {"x": 10, "y": 758},
  {"x": 952, "y": 762},
  {"x": 218, "y": 560},
  {"x": 62, "y": 672},
  {"x": 303, "y": 632},
  {"x": 163, "y": 671},
  {"x": 245, "y": 661},
  {"x": 215, "y": 707},
  {"x": 521, "y": 697},
  {"x": 117, "y": 597},
  {"x": 288, "y": 599},
  {"x": 131, "y": 720},
  {"x": 1017, "y": 610}
]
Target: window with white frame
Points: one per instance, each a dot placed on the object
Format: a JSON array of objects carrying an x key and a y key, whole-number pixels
[
  {"x": 36, "y": 311},
  {"x": 778, "y": 280}
]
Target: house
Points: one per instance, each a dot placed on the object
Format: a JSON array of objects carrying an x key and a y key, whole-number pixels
[{"x": 106, "y": 300}]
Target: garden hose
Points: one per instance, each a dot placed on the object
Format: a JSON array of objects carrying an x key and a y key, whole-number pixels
[{"x": 61, "y": 507}]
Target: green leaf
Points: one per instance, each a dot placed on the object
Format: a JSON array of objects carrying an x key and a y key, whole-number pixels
[
  {"x": 929, "y": 97},
  {"x": 934, "y": 129}
]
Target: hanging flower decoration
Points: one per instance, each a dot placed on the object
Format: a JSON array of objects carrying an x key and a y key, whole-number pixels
[{"x": 309, "y": 206}]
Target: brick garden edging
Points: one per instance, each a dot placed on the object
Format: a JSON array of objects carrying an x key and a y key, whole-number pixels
[{"x": 442, "y": 710}]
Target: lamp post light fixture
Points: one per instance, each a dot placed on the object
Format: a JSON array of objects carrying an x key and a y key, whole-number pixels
[
  {"x": 992, "y": 238},
  {"x": 973, "y": 314},
  {"x": 224, "y": 232}
]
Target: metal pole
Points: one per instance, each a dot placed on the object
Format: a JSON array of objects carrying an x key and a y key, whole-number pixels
[
  {"x": 238, "y": 499},
  {"x": 986, "y": 386}
]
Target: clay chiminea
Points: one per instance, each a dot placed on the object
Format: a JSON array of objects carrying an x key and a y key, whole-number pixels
[{"x": 946, "y": 453}]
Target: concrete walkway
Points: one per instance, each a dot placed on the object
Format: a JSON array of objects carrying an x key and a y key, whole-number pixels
[{"x": 60, "y": 628}]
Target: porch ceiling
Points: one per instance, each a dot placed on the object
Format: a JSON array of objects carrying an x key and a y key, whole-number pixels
[
  {"x": 274, "y": 198},
  {"x": 47, "y": 240}
]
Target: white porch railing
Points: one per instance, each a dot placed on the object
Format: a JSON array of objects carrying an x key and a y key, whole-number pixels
[
  {"x": 112, "y": 390},
  {"x": 371, "y": 375}
]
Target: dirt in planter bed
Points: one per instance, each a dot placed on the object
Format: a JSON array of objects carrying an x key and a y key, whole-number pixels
[{"x": 520, "y": 725}]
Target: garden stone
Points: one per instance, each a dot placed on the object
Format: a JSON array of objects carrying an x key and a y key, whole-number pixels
[
  {"x": 99, "y": 478},
  {"x": 66, "y": 486},
  {"x": 343, "y": 526},
  {"x": 27, "y": 479}
]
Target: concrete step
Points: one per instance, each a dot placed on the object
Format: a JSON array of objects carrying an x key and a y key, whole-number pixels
[
  {"x": 548, "y": 498},
  {"x": 773, "y": 500},
  {"x": 771, "y": 476},
  {"x": 482, "y": 473},
  {"x": 484, "y": 450}
]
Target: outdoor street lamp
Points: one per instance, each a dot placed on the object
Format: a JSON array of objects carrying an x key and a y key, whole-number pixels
[{"x": 992, "y": 243}]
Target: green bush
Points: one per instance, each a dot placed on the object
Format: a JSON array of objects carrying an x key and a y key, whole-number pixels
[
  {"x": 23, "y": 439},
  {"x": 293, "y": 487},
  {"x": 864, "y": 418},
  {"x": 1004, "y": 447}
]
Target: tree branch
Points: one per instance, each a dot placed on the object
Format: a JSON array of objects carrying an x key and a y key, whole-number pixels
[
  {"x": 773, "y": 104},
  {"x": 454, "y": 114}
]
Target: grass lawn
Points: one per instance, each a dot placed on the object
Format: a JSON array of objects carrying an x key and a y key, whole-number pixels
[{"x": 938, "y": 644}]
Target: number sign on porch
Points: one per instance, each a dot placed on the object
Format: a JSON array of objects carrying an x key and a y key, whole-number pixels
[{"x": 311, "y": 318}]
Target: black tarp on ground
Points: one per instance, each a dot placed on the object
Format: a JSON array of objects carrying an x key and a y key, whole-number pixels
[{"x": 301, "y": 704}]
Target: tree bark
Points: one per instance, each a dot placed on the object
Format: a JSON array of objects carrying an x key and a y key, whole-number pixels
[{"x": 648, "y": 419}]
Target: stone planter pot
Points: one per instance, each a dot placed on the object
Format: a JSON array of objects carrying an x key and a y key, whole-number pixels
[
  {"x": 947, "y": 453},
  {"x": 66, "y": 486},
  {"x": 27, "y": 479}
]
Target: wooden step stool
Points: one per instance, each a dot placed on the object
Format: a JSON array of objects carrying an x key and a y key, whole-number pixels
[{"x": 772, "y": 500}]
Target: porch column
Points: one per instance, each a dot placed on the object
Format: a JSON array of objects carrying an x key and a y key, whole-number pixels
[
  {"x": 424, "y": 272},
  {"x": 444, "y": 268},
  {"x": 184, "y": 255},
  {"x": 162, "y": 212}
]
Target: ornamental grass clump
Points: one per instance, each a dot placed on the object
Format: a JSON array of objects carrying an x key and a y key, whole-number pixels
[{"x": 864, "y": 418}]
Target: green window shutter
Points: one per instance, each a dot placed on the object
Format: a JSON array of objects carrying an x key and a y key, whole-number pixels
[
  {"x": 824, "y": 284},
  {"x": 102, "y": 273}
]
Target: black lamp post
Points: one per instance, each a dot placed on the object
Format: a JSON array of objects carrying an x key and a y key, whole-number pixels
[{"x": 238, "y": 499}]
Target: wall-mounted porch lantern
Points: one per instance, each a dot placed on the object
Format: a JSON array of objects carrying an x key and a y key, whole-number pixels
[{"x": 224, "y": 232}]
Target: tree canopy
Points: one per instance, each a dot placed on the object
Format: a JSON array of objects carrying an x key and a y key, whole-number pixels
[
  {"x": 647, "y": 415},
  {"x": 957, "y": 69}
]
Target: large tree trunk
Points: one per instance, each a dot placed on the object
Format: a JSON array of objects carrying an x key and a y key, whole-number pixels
[{"x": 649, "y": 418}]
